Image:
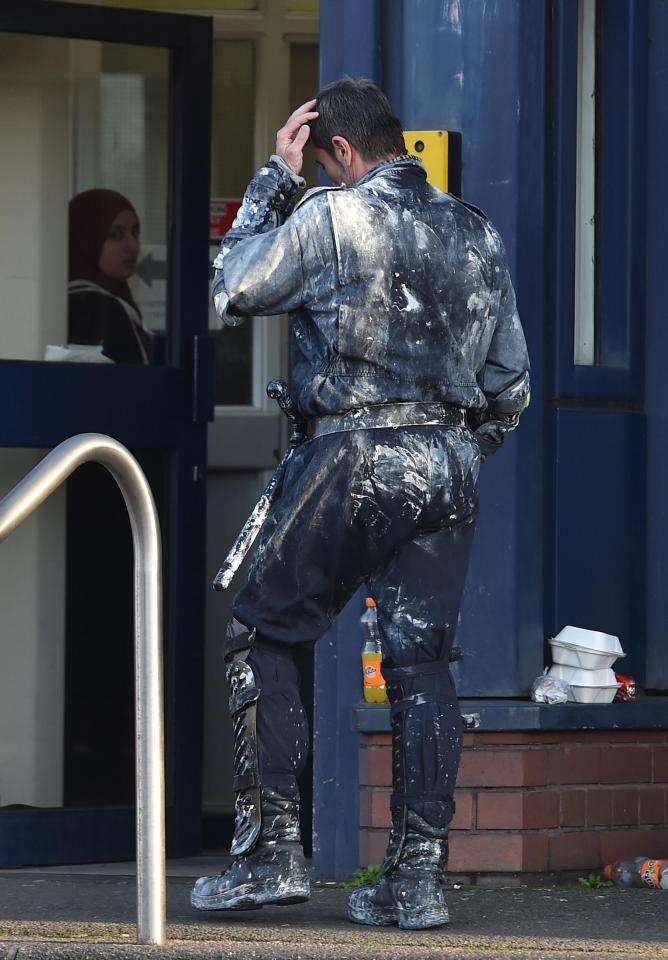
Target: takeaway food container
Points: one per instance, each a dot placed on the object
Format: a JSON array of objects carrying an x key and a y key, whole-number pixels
[
  {"x": 588, "y": 686},
  {"x": 576, "y": 647}
]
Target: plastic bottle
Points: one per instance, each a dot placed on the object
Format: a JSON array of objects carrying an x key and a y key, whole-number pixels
[
  {"x": 375, "y": 690},
  {"x": 641, "y": 872}
]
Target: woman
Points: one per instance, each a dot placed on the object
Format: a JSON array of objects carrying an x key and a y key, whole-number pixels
[{"x": 104, "y": 322}]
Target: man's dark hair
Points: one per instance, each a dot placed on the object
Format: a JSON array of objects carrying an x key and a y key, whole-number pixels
[{"x": 358, "y": 111}]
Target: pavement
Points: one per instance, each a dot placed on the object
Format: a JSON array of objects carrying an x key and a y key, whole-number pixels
[{"x": 90, "y": 912}]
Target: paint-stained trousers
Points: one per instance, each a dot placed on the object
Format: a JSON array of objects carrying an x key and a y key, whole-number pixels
[{"x": 393, "y": 508}]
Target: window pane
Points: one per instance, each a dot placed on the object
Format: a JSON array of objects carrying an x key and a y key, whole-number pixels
[
  {"x": 83, "y": 189},
  {"x": 66, "y": 585},
  {"x": 233, "y": 118},
  {"x": 232, "y": 145},
  {"x": 585, "y": 222}
]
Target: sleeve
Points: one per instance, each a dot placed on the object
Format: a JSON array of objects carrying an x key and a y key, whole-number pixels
[
  {"x": 505, "y": 375},
  {"x": 258, "y": 271}
]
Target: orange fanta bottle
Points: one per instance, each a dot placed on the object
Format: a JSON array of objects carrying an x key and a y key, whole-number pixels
[{"x": 375, "y": 690}]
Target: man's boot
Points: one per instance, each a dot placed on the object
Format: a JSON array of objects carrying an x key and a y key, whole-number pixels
[
  {"x": 272, "y": 871},
  {"x": 269, "y": 865},
  {"x": 410, "y": 891}
]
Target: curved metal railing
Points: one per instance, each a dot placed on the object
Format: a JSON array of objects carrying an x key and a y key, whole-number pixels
[{"x": 14, "y": 509}]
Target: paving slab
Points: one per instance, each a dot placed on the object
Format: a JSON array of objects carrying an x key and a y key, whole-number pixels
[{"x": 62, "y": 915}]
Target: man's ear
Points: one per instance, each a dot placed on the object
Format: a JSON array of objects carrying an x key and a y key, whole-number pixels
[{"x": 342, "y": 150}]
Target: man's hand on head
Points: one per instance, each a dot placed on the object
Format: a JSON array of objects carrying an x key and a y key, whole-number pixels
[{"x": 291, "y": 139}]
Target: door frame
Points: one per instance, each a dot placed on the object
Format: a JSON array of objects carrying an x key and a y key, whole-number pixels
[
  {"x": 273, "y": 30},
  {"x": 164, "y": 408}
]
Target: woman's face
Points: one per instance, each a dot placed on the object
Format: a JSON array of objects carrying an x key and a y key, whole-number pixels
[{"x": 118, "y": 259}]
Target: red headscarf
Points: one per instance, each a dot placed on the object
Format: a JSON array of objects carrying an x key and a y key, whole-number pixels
[{"x": 91, "y": 216}]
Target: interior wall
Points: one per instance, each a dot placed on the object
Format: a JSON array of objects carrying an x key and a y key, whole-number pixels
[
  {"x": 32, "y": 640},
  {"x": 34, "y": 180},
  {"x": 34, "y": 172}
]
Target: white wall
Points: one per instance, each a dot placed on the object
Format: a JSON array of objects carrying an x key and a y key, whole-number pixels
[
  {"x": 32, "y": 646},
  {"x": 34, "y": 180}
]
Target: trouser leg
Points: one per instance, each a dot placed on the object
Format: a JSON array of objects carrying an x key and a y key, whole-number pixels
[
  {"x": 418, "y": 594},
  {"x": 282, "y": 726}
]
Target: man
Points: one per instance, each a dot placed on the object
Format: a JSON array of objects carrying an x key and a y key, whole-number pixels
[{"x": 409, "y": 363}]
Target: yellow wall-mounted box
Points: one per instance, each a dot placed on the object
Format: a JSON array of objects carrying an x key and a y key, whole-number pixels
[{"x": 440, "y": 152}]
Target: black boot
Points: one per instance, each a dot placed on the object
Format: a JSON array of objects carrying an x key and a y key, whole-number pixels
[
  {"x": 272, "y": 871},
  {"x": 410, "y": 891}
]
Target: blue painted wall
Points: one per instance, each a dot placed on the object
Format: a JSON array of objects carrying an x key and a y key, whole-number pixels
[
  {"x": 599, "y": 527},
  {"x": 479, "y": 68},
  {"x": 574, "y": 515},
  {"x": 657, "y": 349}
]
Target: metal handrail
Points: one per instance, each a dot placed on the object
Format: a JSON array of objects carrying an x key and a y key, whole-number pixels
[{"x": 26, "y": 496}]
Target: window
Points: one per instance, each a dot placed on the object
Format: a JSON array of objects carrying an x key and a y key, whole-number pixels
[
  {"x": 599, "y": 107},
  {"x": 585, "y": 191}
]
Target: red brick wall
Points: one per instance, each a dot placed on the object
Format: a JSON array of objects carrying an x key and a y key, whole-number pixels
[{"x": 538, "y": 801}]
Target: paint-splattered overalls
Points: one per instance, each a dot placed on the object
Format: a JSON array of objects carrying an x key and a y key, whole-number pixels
[{"x": 399, "y": 295}]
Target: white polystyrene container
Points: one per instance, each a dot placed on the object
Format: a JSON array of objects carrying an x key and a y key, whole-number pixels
[
  {"x": 582, "y": 677},
  {"x": 587, "y": 686},
  {"x": 594, "y": 694},
  {"x": 576, "y": 647}
]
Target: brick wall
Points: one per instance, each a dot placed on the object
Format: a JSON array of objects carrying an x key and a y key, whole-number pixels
[{"x": 538, "y": 801}]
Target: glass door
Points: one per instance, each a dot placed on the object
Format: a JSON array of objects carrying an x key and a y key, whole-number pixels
[{"x": 103, "y": 328}]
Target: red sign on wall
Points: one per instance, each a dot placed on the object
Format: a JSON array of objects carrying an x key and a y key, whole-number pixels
[{"x": 222, "y": 212}]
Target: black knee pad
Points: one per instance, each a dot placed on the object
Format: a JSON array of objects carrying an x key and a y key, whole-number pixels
[
  {"x": 244, "y": 696},
  {"x": 427, "y": 738}
]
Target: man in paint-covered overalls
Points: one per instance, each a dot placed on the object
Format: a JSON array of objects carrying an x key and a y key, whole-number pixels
[{"x": 410, "y": 366}]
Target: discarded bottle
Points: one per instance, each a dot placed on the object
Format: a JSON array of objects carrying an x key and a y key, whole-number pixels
[
  {"x": 375, "y": 690},
  {"x": 641, "y": 872}
]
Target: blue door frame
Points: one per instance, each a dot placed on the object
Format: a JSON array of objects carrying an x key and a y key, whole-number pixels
[
  {"x": 596, "y": 426},
  {"x": 154, "y": 409}
]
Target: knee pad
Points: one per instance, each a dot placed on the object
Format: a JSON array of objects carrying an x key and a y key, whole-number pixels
[{"x": 244, "y": 695}]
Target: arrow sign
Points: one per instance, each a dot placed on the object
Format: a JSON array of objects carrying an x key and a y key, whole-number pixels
[{"x": 149, "y": 270}]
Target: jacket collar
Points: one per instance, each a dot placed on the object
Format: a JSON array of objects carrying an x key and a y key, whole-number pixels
[{"x": 405, "y": 162}]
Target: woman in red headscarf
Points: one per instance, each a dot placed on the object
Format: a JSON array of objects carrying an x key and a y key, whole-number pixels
[{"x": 104, "y": 247}]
